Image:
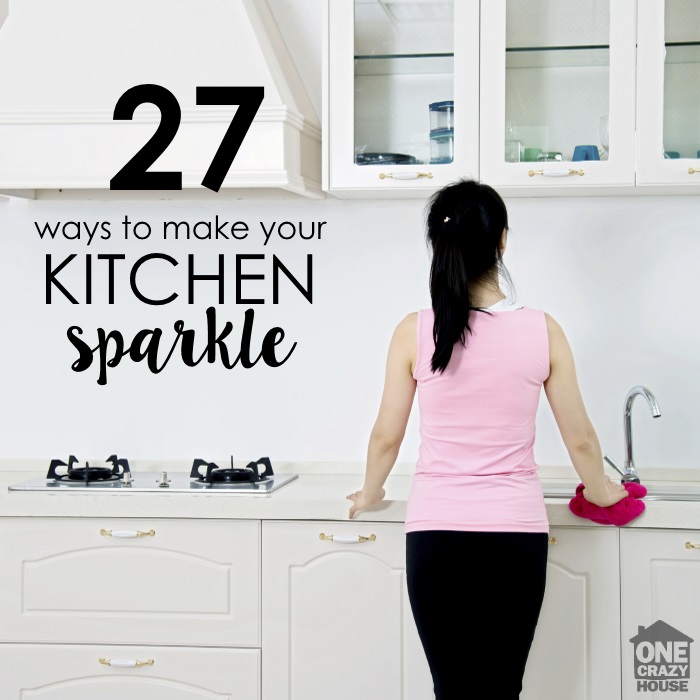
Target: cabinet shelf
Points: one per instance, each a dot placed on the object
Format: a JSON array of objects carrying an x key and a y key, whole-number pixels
[
  {"x": 558, "y": 56},
  {"x": 516, "y": 57},
  {"x": 404, "y": 64},
  {"x": 573, "y": 47},
  {"x": 683, "y": 52}
]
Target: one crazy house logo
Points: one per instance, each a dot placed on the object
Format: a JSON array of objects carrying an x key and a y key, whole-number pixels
[{"x": 661, "y": 658}]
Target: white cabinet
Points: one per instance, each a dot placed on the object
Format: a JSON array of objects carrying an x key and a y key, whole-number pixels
[
  {"x": 185, "y": 582},
  {"x": 660, "y": 581},
  {"x": 75, "y": 672},
  {"x": 576, "y": 653},
  {"x": 332, "y": 616},
  {"x": 557, "y": 82},
  {"x": 87, "y": 585},
  {"x": 615, "y": 78},
  {"x": 550, "y": 77},
  {"x": 386, "y": 63},
  {"x": 668, "y": 101},
  {"x": 337, "y": 622}
]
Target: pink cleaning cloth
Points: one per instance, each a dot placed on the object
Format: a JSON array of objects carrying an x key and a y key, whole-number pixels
[{"x": 618, "y": 514}]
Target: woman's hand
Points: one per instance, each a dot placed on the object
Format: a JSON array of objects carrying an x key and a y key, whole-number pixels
[
  {"x": 363, "y": 500},
  {"x": 611, "y": 494}
]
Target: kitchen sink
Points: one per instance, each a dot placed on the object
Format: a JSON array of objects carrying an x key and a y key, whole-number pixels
[{"x": 666, "y": 492}]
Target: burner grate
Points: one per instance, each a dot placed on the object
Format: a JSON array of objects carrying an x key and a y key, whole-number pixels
[
  {"x": 214, "y": 474},
  {"x": 87, "y": 474}
]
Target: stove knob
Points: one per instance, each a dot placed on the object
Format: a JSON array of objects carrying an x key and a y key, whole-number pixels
[{"x": 163, "y": 481}]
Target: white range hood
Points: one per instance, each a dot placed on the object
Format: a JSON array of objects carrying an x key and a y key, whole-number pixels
[{"x": 64, "y": 65}]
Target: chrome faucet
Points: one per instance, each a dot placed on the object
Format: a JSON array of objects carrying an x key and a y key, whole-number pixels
[{"x": 630, "y": 473}]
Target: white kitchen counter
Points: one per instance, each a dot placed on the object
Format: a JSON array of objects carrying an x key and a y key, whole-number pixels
[{"x": 312, "y": 496}]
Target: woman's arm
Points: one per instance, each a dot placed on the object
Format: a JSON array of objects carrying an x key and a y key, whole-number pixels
[
  {"x": 576, "y": 430},
  {"x": 394, "y": 410}
]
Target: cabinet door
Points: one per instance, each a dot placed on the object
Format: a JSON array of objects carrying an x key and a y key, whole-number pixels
[
  {"x": 182, "y": 582},
  {"x": 668, "y": 93},
  {"x": 660, "y": 581},
  {"x": 558, "y": 84},
  {"x": 575, "y": 653},
  {"x": 387, "y": 62},
  {"x": 337, "y": 622},
  {"x": 77, "y": 672}
]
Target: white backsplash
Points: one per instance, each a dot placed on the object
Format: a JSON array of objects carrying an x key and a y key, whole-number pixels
[{"x": 617, "y": 273}]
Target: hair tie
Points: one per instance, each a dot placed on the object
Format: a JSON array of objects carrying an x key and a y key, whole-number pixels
[{"x": 449, "y": 225}]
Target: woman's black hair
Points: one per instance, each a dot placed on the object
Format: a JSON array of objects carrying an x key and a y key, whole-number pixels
[{"x": 465, "y": 221}]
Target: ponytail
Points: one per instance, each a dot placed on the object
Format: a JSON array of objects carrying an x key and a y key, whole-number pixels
[
  {"x": 465, "y": 222},
  {"x": 449, "y": 290}
]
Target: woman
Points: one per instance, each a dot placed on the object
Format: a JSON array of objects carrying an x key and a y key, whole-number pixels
[{"x": 476, "y": 524}]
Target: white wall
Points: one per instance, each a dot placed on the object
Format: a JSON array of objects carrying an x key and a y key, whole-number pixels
[{"x": 617, "y": 273}]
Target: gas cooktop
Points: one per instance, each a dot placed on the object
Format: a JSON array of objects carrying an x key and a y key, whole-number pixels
[{"x": 255, "y": 479}]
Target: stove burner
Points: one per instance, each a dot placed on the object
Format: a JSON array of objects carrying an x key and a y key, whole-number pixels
[
  {"x": 218, "y": 475},
  {"x": 87, "y": 473}
]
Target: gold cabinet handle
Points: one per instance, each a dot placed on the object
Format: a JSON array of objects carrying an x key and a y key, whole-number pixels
[
  {"x": 405, "y": 176},
  {"x": 347, "y": 539},
  {"x": 125, "y": 663},
  {"x": 692, "y": 171},
  {"x": 556, "y": 173},
  {"x": 690, "y": 545},
  {"x": 552, "y": 540},
  {"x": 127, "y": 534}
]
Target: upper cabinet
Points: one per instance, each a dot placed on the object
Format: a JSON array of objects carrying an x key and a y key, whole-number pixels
[
  {"x": 668, "y": 118},
  {"x": 557, "y": 93},
  {"x": 401, "y": 95},
  {"x": 552, "y": 97}
]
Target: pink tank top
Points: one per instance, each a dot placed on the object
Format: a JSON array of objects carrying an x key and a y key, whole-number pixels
[{"x": 476, "y": 467}]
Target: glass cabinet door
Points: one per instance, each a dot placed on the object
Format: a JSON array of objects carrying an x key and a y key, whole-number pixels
[
  {"x": 402, "y": 89},
  {"x": 557, "y": 92},
  {"x": 669, "y": 92}
]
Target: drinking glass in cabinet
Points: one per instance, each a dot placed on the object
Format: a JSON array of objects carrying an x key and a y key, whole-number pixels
[
  {"x": 404, "y": 63},
  {"x": 514, "y": 146},
  {"x": 557, "y": 75},
  {"x": 681, "y": 127}
]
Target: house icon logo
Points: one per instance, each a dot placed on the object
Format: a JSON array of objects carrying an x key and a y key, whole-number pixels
[{"x": 661, "y": 658}]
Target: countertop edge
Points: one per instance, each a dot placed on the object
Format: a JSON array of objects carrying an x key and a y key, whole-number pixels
[{"x": 311, "y": 497}]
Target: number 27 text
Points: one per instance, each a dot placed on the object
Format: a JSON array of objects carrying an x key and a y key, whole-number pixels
[{"x": 135, "y": 176}]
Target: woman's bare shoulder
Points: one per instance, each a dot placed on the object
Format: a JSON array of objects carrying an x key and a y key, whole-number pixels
[
  {"x": 405, "y": 332},
  {"x": 407, "y": 326},
  {"x": 553, "y": 328},
  {"x": 559, "y": 349}
]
